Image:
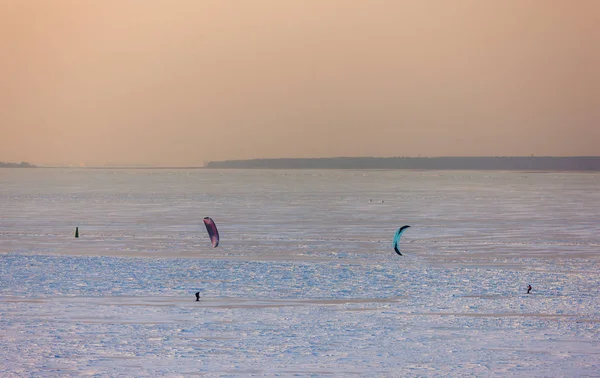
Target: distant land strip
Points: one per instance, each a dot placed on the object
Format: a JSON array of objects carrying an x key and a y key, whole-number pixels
[
  {"x": 508, "y": 163},
  {"x": 16, "y": 165}
]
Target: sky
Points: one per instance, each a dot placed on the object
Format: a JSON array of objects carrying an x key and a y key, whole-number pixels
[{"x": 184, "y": 82}]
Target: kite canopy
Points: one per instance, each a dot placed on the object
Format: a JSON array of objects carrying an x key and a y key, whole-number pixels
[
  {"x": 397, "y": 239},
  {"x": 211, "y": 228}
]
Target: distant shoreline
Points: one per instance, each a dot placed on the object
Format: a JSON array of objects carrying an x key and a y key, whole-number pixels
[
  {"x": 505, "y": 163},
  {"x": 118, "y": 167},
  {"x": 16, "y": 165},
  {"x": 482, "y": 163}
]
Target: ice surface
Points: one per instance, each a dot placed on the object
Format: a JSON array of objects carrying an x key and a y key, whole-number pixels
[{"x": 305, "y": 281}]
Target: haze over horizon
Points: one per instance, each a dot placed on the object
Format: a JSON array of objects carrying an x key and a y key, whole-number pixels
[{"x": 183, "y": 82}]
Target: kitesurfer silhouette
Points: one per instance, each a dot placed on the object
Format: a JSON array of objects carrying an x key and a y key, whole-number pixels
[
  {"x": 528, "y": 288},
  {"x": 197, "y": 296}
]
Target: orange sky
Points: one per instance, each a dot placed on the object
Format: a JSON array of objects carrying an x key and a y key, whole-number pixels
[{"x": 180, "y": 82}]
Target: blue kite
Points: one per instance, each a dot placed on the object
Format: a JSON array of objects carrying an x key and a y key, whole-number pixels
[{"x": 397, "y": 239}]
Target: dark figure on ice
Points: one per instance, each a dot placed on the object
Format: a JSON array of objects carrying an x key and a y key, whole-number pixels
[
  {"x": 197, "y": 296},
  {"x": 528, "y": 288}
]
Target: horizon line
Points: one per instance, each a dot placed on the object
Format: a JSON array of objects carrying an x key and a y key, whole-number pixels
[{"x": 206, "y": 163}]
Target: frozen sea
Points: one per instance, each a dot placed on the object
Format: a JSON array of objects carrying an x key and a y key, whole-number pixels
[{"x": 305, "y": 281}]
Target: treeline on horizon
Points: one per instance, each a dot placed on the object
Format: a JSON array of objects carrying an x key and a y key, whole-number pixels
[
  {"x": 22, "y": 164},
  {"x": 520, "y": 163}
]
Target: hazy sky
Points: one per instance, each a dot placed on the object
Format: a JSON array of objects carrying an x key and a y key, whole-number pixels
[{"x": 180, "y": 82}]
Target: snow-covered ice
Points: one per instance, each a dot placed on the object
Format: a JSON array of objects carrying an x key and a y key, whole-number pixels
[{"x": 305, "y": 281}]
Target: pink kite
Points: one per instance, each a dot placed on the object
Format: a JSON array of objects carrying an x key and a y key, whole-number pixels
[{"x": 212, "y": 231}]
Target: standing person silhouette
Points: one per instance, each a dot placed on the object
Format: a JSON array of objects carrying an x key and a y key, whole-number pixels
[
  {"x": 528, "y": 288},
  {"x": 197, "y": 296}
]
